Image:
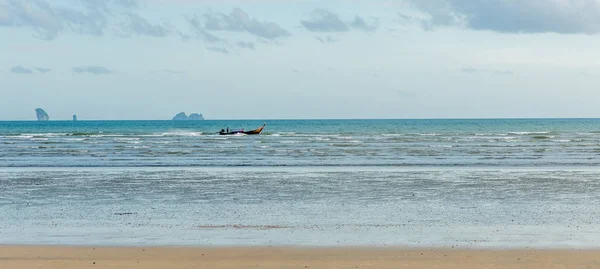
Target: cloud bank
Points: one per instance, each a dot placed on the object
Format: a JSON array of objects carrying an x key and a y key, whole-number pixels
[
  {"x": 206, "y": 26},
  {"x": 48, "y": 19},
  {"x": 240, "y": 21},
  {"x": 95, "y": 70},
  {"x": 322, "y": 20},
  {"x": 21, "y": 70},
  {"x": 136, "y": 25},
  {"x": 512, "y": 16}
]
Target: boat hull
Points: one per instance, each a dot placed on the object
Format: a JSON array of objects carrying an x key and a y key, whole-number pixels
[{"x": 253, "y": 132}]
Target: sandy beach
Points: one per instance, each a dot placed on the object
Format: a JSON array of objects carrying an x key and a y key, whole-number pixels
[{"x": 21, "y": 257}]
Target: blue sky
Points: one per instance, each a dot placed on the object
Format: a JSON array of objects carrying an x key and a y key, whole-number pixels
[{"x": 270, "y": 59}]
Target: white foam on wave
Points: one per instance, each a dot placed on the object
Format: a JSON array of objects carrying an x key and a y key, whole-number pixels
[
  {"x": 74, "y": 139},
  {"x": 137, "y": 147},
  {"x": 528, "y": 133},
  {"x": 100, "y": 135},
  {"x": 316, "y": 135},
  {"x": 489, "y": 138},
  {"x": 46, "y": 134},
  {"x": 440, "y": 146},
  {"x": 127, "y": 139},
  {"x": 491, "y": 134},
  {"x": 393, "y": 135},
  {"x": 22, "y": 136},
  {"x": 182, "y": 133}
]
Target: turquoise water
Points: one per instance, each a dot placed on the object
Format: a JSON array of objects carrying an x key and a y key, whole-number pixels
[
  {"x": 528, "y": 142},
  {"x": 465, "y": 183}
]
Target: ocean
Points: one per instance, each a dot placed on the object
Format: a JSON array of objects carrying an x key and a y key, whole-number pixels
[{"x": 428, "y": 183}]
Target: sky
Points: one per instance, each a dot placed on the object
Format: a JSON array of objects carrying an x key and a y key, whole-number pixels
[{"x": 299, "y": 59}]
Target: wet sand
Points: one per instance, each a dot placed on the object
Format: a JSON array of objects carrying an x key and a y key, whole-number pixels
[{"x": 25, "y": 257}]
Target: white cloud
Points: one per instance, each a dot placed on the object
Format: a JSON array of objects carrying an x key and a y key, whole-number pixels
[
  {"x": 88, "y": 17},
  {"x": 21, "y": 70},
  {"x": 95, "y": 70},
  {"x": 322, "y": 20},
  {"x": 240, "y": 21},
  {"x": 513, "y": 16},
  {"x": 137, "y": 25},
  {"x": 360, "y": 24}
]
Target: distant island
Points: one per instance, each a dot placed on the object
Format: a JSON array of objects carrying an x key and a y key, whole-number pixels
[
  {"x": 41, "y": 115},
  {"x": 193, "y": 116},
  {"x": 74, "y": 117}
]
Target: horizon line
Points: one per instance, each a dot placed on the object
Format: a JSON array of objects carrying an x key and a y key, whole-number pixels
[{"x": 281, "y": 119}]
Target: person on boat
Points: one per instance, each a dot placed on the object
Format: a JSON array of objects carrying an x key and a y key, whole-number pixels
[
  {"x": 228, "y": 129},
  {"x": 222, "y": 131}
]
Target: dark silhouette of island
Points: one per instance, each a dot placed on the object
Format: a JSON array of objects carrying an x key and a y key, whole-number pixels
[
  {"x": 41, "y": 115},
  {"x": 193, "y": 116}
]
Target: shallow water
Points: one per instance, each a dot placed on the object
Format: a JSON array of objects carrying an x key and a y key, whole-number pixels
[{"x": 301, "y": 206}]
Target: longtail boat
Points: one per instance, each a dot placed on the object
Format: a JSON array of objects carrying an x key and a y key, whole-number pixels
[{"x": 252, "y": 132}]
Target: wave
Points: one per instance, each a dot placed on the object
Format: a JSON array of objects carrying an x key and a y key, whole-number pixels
[
  {"x": 349, "y": 144},
  {"x": 529, "y": 133},
  {"x": 543, "y": 137},
  {"x": 393, "y": 135},
  {"x": 126, "y": 163},
  {"x": 182, "y": 133},
  {"x": 45, "y": 134},
  {"x": 75, "y": 139},
  {"x": 22, "y": 136},
  {"x": 85, "y": 133},
  {"x": 126, "y": 139}
]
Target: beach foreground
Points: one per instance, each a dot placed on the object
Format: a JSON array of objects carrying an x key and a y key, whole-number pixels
[{"x": 17, "y": 257}]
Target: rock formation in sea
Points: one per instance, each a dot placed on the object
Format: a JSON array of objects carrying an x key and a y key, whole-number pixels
[
  {"x": 41, "y": 114},
  {"x": 193, "y": 116},
  {"x": 74, "y": 117},
  {"x": 181, "y": 116}
]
